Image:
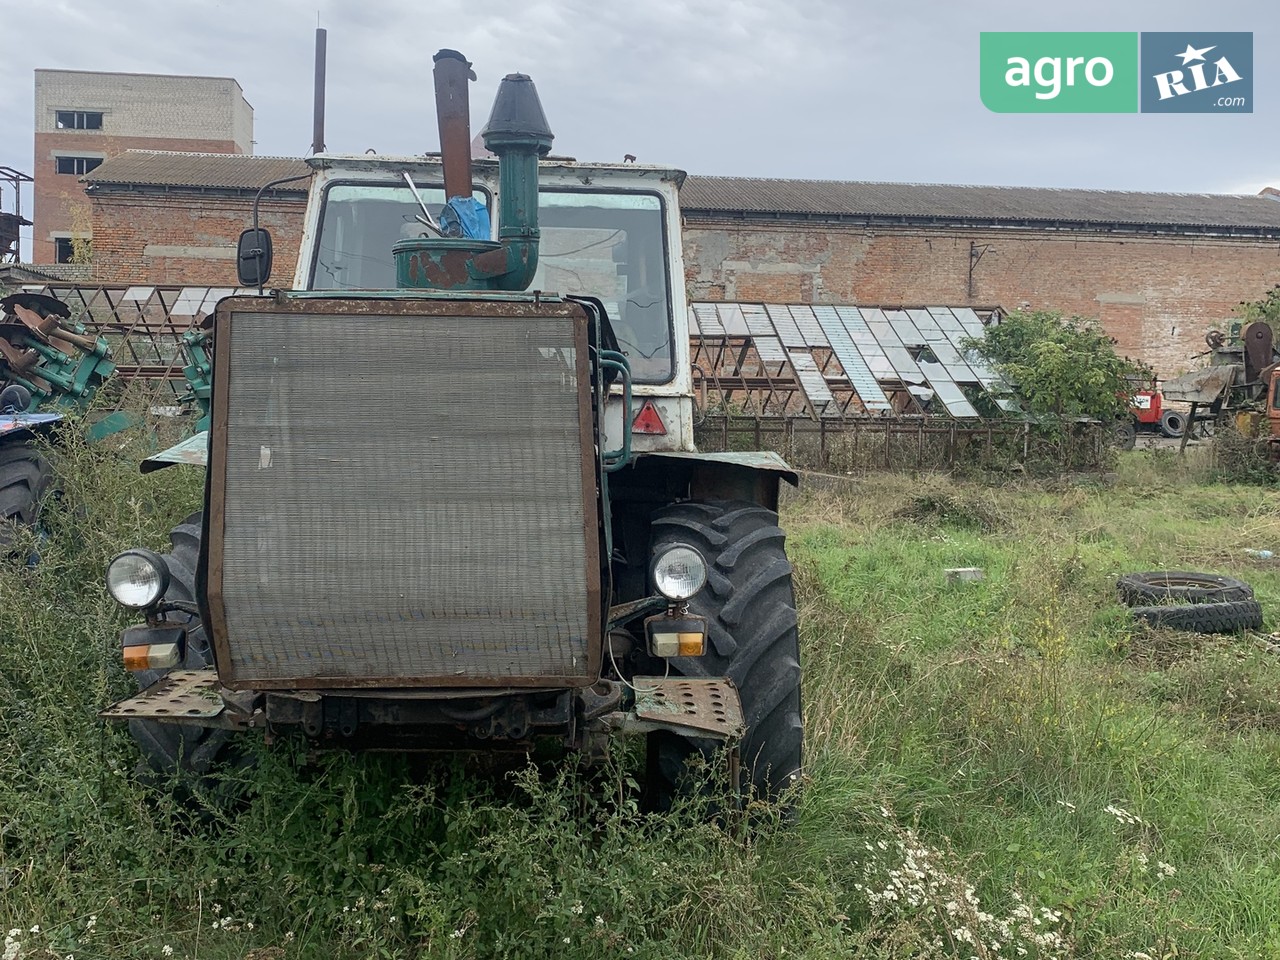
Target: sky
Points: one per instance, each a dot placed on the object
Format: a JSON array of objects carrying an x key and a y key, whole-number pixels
[{"x": 818, "y": 89}]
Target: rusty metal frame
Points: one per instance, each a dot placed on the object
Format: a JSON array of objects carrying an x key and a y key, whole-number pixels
[{"x": 455, "y": 305}]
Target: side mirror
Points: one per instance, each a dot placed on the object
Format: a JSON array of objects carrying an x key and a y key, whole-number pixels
[{"x": 253, "y": 258}]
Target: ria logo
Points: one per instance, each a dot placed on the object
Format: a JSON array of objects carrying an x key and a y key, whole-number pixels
[
  {"x": 1197, "y": 73},
  {"x": 1116, "y": 72}
]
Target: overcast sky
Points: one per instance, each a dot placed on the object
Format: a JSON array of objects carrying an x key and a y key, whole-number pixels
[{"x": 803, "y": 88}]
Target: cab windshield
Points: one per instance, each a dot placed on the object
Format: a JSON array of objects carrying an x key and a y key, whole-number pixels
[{"x": 605, "y": 245}]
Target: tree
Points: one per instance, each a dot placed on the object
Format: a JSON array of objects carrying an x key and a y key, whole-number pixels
[
  {"x": 1060, "y": 366},
  {"x": 1266, "y": 308}
]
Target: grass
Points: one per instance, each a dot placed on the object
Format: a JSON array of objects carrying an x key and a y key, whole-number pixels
[{"x": 1002, "y": 762}]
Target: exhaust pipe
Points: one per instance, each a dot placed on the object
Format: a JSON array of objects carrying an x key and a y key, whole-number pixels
[{"x": 518, "y": 134}]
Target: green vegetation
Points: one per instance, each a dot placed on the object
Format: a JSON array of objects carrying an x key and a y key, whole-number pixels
[
  {"x": 1265, "y": 308},
  {"x": 1060, "y": 366},
  {"x": 1006, "y": 761}
]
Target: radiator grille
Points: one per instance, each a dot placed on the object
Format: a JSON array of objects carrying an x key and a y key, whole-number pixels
[{"x": 403, "y": 499}]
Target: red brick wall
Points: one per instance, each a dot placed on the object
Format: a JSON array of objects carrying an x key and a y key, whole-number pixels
[
  {"x": 134, "y": 236},
  {"x": 57, "y": 195},
  {"x": 1156, "y": 295}
]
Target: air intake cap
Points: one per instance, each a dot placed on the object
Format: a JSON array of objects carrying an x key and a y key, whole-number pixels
[{"x": 517, "y": 116}]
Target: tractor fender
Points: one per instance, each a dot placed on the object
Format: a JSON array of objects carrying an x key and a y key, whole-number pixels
[{"x": 752, "y": 475}]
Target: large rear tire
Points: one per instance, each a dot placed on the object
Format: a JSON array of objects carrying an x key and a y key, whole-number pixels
[
  {"x": 753, "y": 639},
  {"x": 173, "y": 748},
  {"x": 25, "y": 479}
]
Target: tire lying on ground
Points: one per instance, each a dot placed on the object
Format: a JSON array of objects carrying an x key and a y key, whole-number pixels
[
  {"x": 172, "y": 748},
  {"x": 1172, "y": 423},
  {"x": 1231, "y": 617},
  {"x": 1180, "y": 586}
]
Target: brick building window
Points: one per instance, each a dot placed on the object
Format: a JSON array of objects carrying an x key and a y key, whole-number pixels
[
  {"x": 79, "y": 119},
  {"x": 64, "y": 249},
  {"x": 77, "y": 165}
]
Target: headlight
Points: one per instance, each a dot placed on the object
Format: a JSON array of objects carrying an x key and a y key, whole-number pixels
[
  {"x": 679, "y": 572},
  {"x": 137, "y": 578}
]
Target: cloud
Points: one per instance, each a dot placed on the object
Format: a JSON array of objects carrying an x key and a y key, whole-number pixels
[{"x": 814, "y": 88}]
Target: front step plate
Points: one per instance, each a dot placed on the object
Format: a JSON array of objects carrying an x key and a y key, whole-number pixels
[
  {"x": 708, "y": 706},
  {"x": 181, "y": 695}
]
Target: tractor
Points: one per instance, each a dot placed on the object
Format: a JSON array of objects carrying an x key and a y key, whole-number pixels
[{"x": 453, "y": 500}]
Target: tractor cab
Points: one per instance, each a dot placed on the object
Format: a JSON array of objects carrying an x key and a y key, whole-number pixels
[{"x": 609, "y": 231}]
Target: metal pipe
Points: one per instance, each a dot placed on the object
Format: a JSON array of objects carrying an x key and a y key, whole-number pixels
[
  {"x": 317, "y": 119},
  {"x": 452, "y": 72}
]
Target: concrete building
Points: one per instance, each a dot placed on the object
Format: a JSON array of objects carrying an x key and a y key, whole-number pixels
[
  {"x": 82, "y": 118},
  {"x": 1158, "y": 270}
]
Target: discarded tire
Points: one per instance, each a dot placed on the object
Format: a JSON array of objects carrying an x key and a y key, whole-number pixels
[
  {"x": 1172, "y": 423},
  {"x": 1204, "y": 617},
  {"x": 1125, "y": 434},
  {"x": 1180, "y": 586}
]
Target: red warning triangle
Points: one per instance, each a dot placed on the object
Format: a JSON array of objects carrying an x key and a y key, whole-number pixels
[{"x": 648, "y": 420}]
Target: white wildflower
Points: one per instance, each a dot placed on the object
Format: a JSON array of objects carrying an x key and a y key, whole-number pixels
[
  {"x": 599, "y": 920},
  {"x": 1122, "y": 815},
  {"x": 577, "y": 908},
  {"x": 167, "y": 950},
  {"x": 1166, "y": 869},
  {"x": 92, "y": 922},
  {"x": 35, "y": 928},
  {"x": 567, "y": 940},
  {"x": 457, "y": 934}
]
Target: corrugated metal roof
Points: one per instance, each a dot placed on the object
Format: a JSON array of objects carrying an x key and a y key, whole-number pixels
[
  {"x": 228, "y": 171},
  {"x": 752, "y": 195},
  {"x": 951, "y": 202}
]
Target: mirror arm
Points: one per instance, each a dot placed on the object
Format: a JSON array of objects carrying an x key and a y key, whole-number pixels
[{"x": 258, "y": 198}]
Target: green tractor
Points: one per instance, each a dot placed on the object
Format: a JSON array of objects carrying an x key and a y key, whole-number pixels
[{"x": 453, "y": 499}]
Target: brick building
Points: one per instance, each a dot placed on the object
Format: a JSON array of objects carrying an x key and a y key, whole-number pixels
[
  {"x": 175, "y": 217},
  {"x": 82, "y": 118},
  {"x": 1157, "y": 269}
]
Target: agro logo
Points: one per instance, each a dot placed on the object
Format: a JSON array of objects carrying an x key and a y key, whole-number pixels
[{"x": 1197, "y": 73}]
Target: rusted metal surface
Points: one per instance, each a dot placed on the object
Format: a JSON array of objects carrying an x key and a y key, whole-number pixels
[
  {"x": 1200, "y": 386},
  {"x": 711, "y": 707},
  {"x": 193, "y": 451},
  {"x": 477, "y": 306},
  {"x": 182, "y": 695},
  {"x": 1259, "y": 350},
  {"x": 452, "y": 73}
]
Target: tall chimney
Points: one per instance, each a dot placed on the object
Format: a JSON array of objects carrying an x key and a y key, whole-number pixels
[{"x": 317, "y": 121}]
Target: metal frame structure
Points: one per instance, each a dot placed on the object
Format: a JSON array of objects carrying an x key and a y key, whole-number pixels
[{"x": 838, "y": 362}]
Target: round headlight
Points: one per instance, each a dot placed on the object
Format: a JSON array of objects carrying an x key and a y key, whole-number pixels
[
  {"x": 679, "y": 572},
  {"x": 137, "y": 578}
]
